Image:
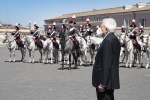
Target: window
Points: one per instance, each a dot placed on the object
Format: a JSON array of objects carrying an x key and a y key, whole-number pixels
[{"x": 142, "y": 22}]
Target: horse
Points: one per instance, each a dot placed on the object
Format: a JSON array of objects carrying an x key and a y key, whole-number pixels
[
  {"x": 93, "y": 44},
  {"x": 12, "y": 45},
  {"x": 31, "y": 47},
  {"x": 56, "y": 48},
  {"x": 83, "y": 48},
  {"x": 67, "y": 48},
  {"x": 130, "y": 51},
  {"x": 122, "y": 37},
  {"x": 47, "y": 48},
  {"x": 146, "y": 45}
]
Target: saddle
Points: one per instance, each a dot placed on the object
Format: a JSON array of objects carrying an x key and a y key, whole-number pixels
[
  {"x": 55, "y": 43},
  {"x": 136, "y": 44},
  {"x": 134, "y": 41},
  {"x": 38, "y": 42},
  {"x": 19, "y": 42},
  {"x": 75, "y": 42}
]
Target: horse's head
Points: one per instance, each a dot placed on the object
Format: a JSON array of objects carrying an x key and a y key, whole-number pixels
[
  {"x": 5, "y": 38},
  {"x": 62, "y": 36},
  {"x": 145, "y": 39},
  {"x": 88, "y": 40},
  {"x": 122, "y": 37}
]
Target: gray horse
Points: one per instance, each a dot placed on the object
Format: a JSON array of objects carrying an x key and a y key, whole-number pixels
[
  {"x": 12, "y": 45},
  {"x": 67, "y": 48}
]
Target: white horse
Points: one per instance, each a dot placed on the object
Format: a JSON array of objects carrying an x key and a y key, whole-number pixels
[
  {"x": 12, "y": 46},
  {"x": 83, "y": 48},
  {"x": 130, "y": 52},
  {"x": 93, "y": 44},
  {"x": 31, "y": 47},
  {"x": 146, "y": 45},
  {"x": 47, "y": 48},
  {"x": 122, "y": 51}
]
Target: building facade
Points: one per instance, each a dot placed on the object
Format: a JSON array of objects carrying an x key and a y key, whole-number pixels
[{"x": 123, "y": 16}]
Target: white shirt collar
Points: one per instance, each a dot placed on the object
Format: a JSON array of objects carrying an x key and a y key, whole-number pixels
[{"x": 105, "y": 36}]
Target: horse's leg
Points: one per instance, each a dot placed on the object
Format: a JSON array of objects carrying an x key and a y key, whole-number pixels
[
  {"x": 40, "y": 51},
  {"x": 56, "y": 56},
  {"x": 10, "y": 55},
  {"x": 14, "y": 55},
  {"x": 69, "y": 61},
  {"x": 21, "y": 50},
  {"x": 120, "y": 55},
  {"x": 141, "y": 58},
  {"x": 139, "y": 55},
  {"x": 29, "y": 56},
  {"x": 127, "y": 58},
  {"x": 60, "y": 57},
  {"x": 85, "y": 57},
  {"x": 123, "y": 57},
  {"x": 130, "y": 55},
  {"x": 47, "y": 56},
  {"x": 44, "y": 52},
  {"x": 24, "y": 53},
  {"x": 33, "y": 56},
  {"x": 62, "y": 52},
  {"x": 92, "y": 57},
  {"x": 147, "y": 53},
  {"x": 51, "y": 55}
]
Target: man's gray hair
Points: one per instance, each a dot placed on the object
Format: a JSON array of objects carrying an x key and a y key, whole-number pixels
[{"x": 110, "y": 24}]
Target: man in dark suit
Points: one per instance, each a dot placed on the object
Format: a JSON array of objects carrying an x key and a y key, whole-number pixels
[{"x": 105, "y": 76}]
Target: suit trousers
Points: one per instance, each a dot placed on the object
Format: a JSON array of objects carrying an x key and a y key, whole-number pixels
[{"x": 107, "y": 95}]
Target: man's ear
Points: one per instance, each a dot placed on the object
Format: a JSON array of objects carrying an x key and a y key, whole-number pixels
[{"x": 107, "y": 29}]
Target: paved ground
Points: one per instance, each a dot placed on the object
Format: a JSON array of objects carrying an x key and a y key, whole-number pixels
[{"x": 23, "y": 81}]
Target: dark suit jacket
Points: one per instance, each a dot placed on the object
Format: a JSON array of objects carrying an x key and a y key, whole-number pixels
[{"x": 106, "y": 66}]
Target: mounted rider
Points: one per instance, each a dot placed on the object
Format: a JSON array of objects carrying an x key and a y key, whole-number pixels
[
  {"x": 82, "y": 30},
  {"x": 36, "y": 36},
  {"x": 72, "y": 33},
  {"x": 133, "y": 34},
  {"x": 17, "y": 36},
  {"x": 53, "y": 34},
  {"x": 98, "y": 31},
  {"x": 141, "y": 38},
  {"x": 122, "y": 33},
  {"x": 49, "y": 31},
  {"x": 89, "y": 31}
]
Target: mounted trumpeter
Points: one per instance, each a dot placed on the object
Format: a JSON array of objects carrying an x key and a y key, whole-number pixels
[
  {"x": 53, "y": 34},
  {"x": 17, "y": 36},
  {"x": 89, "y": 31},
  {"x": 72, "y": 33},
  {"x": 36, "y": 36},
  {"x": 140, "y": 38},
  {"x": 133, "y": 34}
]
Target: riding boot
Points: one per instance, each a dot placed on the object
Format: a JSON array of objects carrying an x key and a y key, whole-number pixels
[{"x": 79, "y": 51}]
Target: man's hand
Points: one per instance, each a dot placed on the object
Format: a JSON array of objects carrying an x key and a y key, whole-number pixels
[{"x": 101, "y": 89}]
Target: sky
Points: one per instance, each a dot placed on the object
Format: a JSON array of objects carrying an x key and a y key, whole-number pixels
[{"x": 24, "y": 11}]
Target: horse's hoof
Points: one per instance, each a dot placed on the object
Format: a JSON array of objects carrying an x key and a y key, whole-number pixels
[
  {"x": 69, "y": 68},
  {"x": 61, "y": 68},
  {"x": 13, "y": 61}
]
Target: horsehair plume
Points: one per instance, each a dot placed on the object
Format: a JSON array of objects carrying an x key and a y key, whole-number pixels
[
  {"x": 122, "y": 28},
  {"x": 54, "y": 23},
  {"x": 81, "y": 26},
  {"x": 141, "y": 28},
  {"x": 34, "y": 23},
  {"x": 87, "y": 21},
  {"x": 73, "y": 18},
  {"x": 133, "y": 21}
]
